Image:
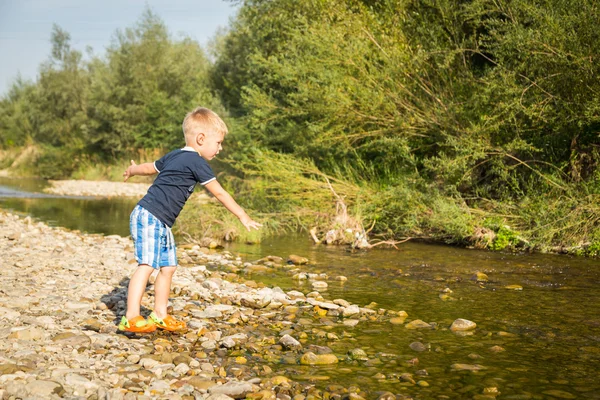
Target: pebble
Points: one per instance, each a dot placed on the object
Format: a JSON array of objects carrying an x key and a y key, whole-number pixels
[
  {"x": 513, "y": 287},
  {"x": 462, "y": 325},
  {"x": 397, "y": 320},
  {"x": 418, "y": 324},
  {"x": 497, "y": 349},
  {"x": 417, "y": 346},
  {"x": 559, "y": 394},
  {"x": 297, "y": 260},
  {"x": 480, "y": 277},
  {"x": 311, "y": 358},
  {"x": 357, "y": 354},
  {"x": 467, "y": 367}
]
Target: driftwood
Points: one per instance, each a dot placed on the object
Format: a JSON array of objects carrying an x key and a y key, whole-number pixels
[{"x": 348, "y": 230}]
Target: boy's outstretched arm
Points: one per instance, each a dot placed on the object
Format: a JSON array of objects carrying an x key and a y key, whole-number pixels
[
  {"x": 225, "y": 198},
  {"x": 142, "y": 169}
]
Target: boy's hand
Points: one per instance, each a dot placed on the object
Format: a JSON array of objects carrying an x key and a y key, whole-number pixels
[
  {"x": 129, "y": 171},
  {"x": 249, "y": 223}
]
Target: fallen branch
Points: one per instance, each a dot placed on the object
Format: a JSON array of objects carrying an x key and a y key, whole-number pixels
[
  {"x": 313, "y": 233},
  {"x": 392, "y": 243}
]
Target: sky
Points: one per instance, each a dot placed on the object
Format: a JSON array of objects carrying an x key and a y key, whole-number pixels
[{"x": 25, "y": 27}]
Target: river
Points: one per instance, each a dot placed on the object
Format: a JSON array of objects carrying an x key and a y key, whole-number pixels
[{"x": 539, "y": 342}]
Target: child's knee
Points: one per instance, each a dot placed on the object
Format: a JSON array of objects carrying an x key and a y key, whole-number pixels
[{"x": 168, "y": 271}]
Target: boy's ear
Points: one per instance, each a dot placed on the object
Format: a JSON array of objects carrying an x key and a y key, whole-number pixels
[{"x": 200, "y": 139}]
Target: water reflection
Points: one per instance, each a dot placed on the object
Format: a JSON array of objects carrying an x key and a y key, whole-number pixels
[{"x": 87, "y": 214}]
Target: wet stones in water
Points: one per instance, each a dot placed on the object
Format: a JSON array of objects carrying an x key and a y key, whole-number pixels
[
  {"x": 480, "y": 277},
  {"x": 417, "y": 346},
  {"x": 279, "y": 380},
  {"x": 319, "y": 349},
  {"x": 513, "y": 287},
  {"x": 397, "y": 320},
  {"x": 406, "y": 377},
  {"x": 357, "y": 354},
  {"x": 350, "y": 310},
  {"x": 559, "y": 394},
  {"x": 418, "y": 324},
  {"x": 387, "y": 396},
  {"x": 297, "y": 260},
  {"x": 290, "y": 343},
  {"x": 462, "y": 325},
  {"x": 491, "y": 391},
  {"x": 319, "y": 285},
  {"x": 311, "y": 358},
  {"x": 467, "y": 367},
  {"x": 497, "y": 349}
]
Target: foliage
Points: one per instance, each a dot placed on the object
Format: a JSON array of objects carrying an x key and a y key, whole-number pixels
[
  {"x": 427, "y": 118},
  {"x": 134, "y": 97},
  {"x": 489, "y": 107}
]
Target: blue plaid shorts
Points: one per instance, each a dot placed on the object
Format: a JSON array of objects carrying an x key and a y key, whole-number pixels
[{"x": 153, "y": 241}]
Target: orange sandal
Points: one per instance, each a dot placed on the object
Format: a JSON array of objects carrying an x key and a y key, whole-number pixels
[
  {"x": 167, "y": 323},
  {"x": 137, "y": 324}
]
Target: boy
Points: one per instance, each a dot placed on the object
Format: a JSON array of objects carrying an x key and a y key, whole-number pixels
[{"x": 154, "y": 215}]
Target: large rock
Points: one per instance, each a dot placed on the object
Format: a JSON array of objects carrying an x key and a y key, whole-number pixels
[
  {"x": 350, "y": 310},
  {"x": 357, "y": 354},
  {"x": 460, "y": 325},
  {"x": 294, "y": 259},
  {"x": 290, "y": 343}
]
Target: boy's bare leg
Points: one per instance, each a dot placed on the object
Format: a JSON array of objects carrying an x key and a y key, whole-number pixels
[
  {"x": 162, "y": 289},
  {"x": 135, "y": 291}
]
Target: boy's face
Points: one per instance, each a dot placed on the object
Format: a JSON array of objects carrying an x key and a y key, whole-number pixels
[{"x": 210, "y": 144}]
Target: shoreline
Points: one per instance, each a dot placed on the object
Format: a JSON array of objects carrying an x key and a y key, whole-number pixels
[
  {"x": 110, "y": 189},
  {"x": 64, "y": 292},
  {"x": 97, "y": 188}
]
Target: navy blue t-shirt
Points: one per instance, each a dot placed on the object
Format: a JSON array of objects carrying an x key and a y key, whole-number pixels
[{"x": 178, "y": 173}]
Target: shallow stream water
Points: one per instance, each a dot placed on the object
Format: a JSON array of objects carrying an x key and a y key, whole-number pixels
[{"x": 541, "y": 342}]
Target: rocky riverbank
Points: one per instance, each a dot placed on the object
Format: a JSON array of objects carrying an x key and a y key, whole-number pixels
[
  {"x": 97, "y": 188},
  {"x": 64, "y": 291}
]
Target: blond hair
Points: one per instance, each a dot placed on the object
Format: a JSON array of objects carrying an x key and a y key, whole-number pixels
[{"x": 200, "y": 120}]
